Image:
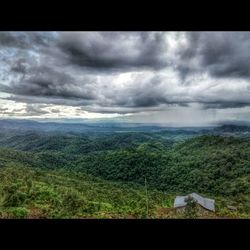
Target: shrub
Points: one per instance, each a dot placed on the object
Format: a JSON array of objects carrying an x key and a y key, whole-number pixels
[{"x": 19, "y": 212}]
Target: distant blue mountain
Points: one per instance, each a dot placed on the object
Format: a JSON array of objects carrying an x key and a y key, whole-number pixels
[
  {"x": 27, "y": 125},
  {"x": 118, "y": 127}
]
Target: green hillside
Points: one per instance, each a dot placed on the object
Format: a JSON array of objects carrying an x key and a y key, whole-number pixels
[
  {"x": 33, "y": 193},
  {"x": 210, "y": 164},
  {"x": 109, "y": 183}
]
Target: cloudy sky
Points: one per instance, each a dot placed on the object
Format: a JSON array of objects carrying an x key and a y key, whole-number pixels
[{"x": 176, "y": 78}]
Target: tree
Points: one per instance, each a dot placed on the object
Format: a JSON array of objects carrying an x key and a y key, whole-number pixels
[{"x": 191, "y": 208}]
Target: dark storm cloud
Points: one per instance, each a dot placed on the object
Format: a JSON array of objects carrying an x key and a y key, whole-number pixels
[
  {"x": 20, "y": 66},
  {"x": 148, "y": 100},
  {"x": 81, "y": 68},
  {"x": 225, "y": 105},
  {"x": 46, "y": 67},
  {"x": 25, "y": 40},
  {"x": 221, "y": 54},
  {"x": 74, "y": 102},
  {"x": 94, "y": 50},
  {"x": 114, "y": 50},
  {"x": 145, "y": 92},
  {"x": 148, "y": 94},
  {"x": 46, "y": 82}
]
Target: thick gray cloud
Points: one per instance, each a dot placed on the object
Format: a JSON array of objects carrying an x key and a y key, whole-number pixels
[
  {"x": 45, "y": 82},
  {"x": 221, "y": 54},
  {"x": 125, "y": 72},
  {"x": 114, "y": 50},
  {"x": 20, "y": 66},
  {"x": 52, "y": 70},
  {"x": 225, "y": 105},
  {"x": 25, "y": 40}
]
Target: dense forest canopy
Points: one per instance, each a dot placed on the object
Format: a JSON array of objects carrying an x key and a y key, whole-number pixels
[{"x": 42, "y": 171}]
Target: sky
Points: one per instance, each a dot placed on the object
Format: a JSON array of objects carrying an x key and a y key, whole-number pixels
[{"x": 173, "y": 78}]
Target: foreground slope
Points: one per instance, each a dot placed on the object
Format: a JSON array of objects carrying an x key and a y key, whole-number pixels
[{"x": 33, "y": 193}]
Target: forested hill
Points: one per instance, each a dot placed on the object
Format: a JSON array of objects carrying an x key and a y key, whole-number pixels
[
  {"x": 52, "y": 185},
  {"x": 99, "y": 137},
  {"x": 218, "y": 165},
  {"x": 173, "y": 163},
  {"x": 75, "y": 144},
  {"x": 208, "y": 163},
  {"x": 83, "y": 127}
]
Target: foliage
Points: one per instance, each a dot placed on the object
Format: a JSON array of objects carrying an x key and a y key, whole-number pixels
[
  {"x": 208, "y": 164},
  {"x": 66, "y": 194},
  {"x": 54, "y": 175},
  {"x": 190, "y": 209},
  {"x": 18, "y": 212}
]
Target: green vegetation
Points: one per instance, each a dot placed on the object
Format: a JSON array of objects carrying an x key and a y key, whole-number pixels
[
  {"x": 103, "y": 175},
  {"x": 33, "y": 193},
  {"x": 190, "y": 211},
  {"x": 208, "y": 164}
]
